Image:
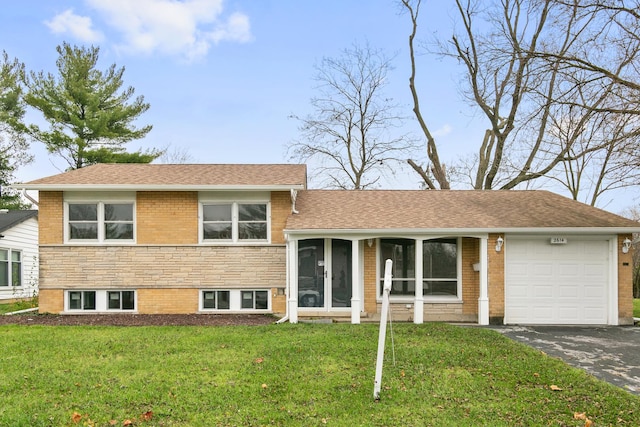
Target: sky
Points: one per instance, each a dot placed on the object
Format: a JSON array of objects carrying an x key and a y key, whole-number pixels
[{"x": 223, "y": 77}]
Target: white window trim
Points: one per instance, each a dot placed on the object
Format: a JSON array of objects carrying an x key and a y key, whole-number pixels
[
  {"x": 235, "y": 301},
  {"x": 101, "y": 234},
  {"x": 234, "y": 222},
  {"x": 10, "y": 285},
  {"x": 102, "y": 301},
  {"x": 428, "y": 299}
]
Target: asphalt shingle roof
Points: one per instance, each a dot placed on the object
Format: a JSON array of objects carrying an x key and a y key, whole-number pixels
[
  {"x": 12, "y": 218},
  {"x": 452, "y": 209},
  {"x": 128, "y": 174}
]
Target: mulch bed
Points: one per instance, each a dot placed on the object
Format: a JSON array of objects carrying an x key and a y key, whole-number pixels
[{"x": 138, "y": 319}]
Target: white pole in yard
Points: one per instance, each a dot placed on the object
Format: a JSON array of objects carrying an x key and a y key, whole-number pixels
[{"x": 383, "y": 328}]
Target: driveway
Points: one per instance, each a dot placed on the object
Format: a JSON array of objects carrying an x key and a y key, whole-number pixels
[{"x": 610, "y": 353}]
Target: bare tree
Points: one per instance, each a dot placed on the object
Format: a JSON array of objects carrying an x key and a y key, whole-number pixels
[
  {"x": 349, "y": 138},
  {"x": 172, "y": 154},
  {"x": 634, "y": 213},
  {"x": 547, "y": 75}
]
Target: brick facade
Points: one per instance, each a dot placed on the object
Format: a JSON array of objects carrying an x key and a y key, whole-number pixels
[
  {"x": 167, "y": 217},
  {"x": 50, "y": 217},
  {"x": 495, "y": 280},
  {"x": 625, "y": 283}
]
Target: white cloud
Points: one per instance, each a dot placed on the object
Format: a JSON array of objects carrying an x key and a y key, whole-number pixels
[
  {"x": 443, "y": 131},
  {"x": 79, "y": 27},
  {"x": 185, "y": 28}
]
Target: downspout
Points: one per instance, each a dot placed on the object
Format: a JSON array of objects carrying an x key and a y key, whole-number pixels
[{"x": 28, "y": 197}]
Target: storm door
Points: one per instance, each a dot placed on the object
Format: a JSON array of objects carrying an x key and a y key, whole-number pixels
[
  {"x": 324, "y": 273},
  {"x": 311, "y": 273},
  {"x": 341, "y": 273}
]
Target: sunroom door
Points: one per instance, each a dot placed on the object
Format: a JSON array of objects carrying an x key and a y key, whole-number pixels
[{"x": 311, "y": 273}]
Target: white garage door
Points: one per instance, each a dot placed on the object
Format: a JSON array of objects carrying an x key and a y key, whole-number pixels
[{"x": 563, "y": 284}]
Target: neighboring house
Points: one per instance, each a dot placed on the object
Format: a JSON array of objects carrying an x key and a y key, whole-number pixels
[
  {"x": 18, "y": 254},
  {"x": 251, "y": 239}
]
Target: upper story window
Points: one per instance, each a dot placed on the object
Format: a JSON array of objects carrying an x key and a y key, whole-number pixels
[
  {"x": 235, "y": 222},
  {"x": 100, "y": 221},
  {"x": 10, "y": 267}
]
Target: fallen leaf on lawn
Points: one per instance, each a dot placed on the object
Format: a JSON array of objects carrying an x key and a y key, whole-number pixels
[
  {"x": 535, "y": 374},
  {"x": 264, "y": 386},
  {"x": 402, "y": 373},
  {"x": 113, "y": 422},
  {"x": 147, "y": 416},
  {"x": 555, "y": 387},
  {"x": 588, "y": 423},
  {"x": 127, "y": 423},
  {"x": 76, "y": 417},
  {"x": 259, "y": 360},
  {"x": 579, "y": 416}
]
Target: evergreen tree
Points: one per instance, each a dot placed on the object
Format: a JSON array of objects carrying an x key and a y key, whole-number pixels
[
  {"x": 90, "y": 117},
  {"x": 14, "y": 146}
]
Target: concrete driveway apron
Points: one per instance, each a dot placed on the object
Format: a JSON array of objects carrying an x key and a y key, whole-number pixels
[{"x": 610, "y": 353}]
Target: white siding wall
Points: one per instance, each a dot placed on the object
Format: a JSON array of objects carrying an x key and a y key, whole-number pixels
[{"x": 23, "y": 237}]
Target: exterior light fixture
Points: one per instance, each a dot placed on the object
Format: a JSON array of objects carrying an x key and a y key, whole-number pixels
[
  {"x": 626, "y": 244},
  {"x": 499, "y": 243},
  {"x": 369, "y": 242}
]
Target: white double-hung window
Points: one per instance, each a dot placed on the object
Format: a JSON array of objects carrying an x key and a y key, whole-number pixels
[
  {"x": 99, "y": 221},
  {"x": 235, "y": 222}
]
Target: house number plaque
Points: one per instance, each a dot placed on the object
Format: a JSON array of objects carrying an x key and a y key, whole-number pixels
[{"x": 558, "y": 240}]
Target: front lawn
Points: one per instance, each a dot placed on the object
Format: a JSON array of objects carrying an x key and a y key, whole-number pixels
[
  {"x": 636, "y": 307},
  {"x": 282, "y": 375},
  {"x": 19, "y": 305}
]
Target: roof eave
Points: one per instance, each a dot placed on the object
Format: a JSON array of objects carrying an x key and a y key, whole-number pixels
[
  {"x": 381, "y": 232},
  {"x": 171, "y": 187}
]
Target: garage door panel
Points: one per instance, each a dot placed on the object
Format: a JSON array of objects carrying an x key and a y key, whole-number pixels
[
  {"x": 568, "y": 292},
  {"x": 556, "y": 284},
  {"x": 543, "y": 291}
]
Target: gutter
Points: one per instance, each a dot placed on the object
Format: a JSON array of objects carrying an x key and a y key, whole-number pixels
[{"x": 28, "y": 197}]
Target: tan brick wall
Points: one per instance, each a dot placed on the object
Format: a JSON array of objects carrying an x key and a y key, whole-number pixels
[
  {"x": 278, "y": 302},
  {"x": 280, "y": 210},
  {"x": 167, "y": 301},
  {"x": 470, "y": 278},
  {"x": 160, "y": 268},
  {"x": 167, "y": 267},
  {"x": 167, "y": 217},
  {"x": 50, "y": 217},
  {"x": 370, "y": 279},
  {"x": 50, "y": 301},
  {"x": 625, "y": 283},
  {"x": 496, "y": 277}
]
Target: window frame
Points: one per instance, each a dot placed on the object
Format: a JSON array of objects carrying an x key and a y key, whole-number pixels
[
  {"x": 457, "y": 279},
  {"x": 235, "y": 221},
  {"x": 235, "y": 300},
  {"x": 101, "y": 298},
  {"x": 10, "y": 268},
  {"x": 83, "y": 294},
  {"x": 410, "y": 298},
  {"x": 101, "y": 221},
  {"x": 121, "y": 300}
]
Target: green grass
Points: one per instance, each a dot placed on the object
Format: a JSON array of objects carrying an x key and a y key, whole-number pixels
[
  {"x": 16, "y": 306},
  {"x": 636, "y": 308},
  {"x": 281, "y": 375}
]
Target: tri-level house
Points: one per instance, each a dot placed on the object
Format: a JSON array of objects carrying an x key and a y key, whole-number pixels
[{"x": 211, "y": 239}]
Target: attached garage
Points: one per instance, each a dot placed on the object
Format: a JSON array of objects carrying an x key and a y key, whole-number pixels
[{"x": 558, "y": 280}]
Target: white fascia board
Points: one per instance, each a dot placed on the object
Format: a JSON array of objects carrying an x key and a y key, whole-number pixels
[
  {"x": 135, "y": 187},
  {"x": 467, "y": 232}
]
